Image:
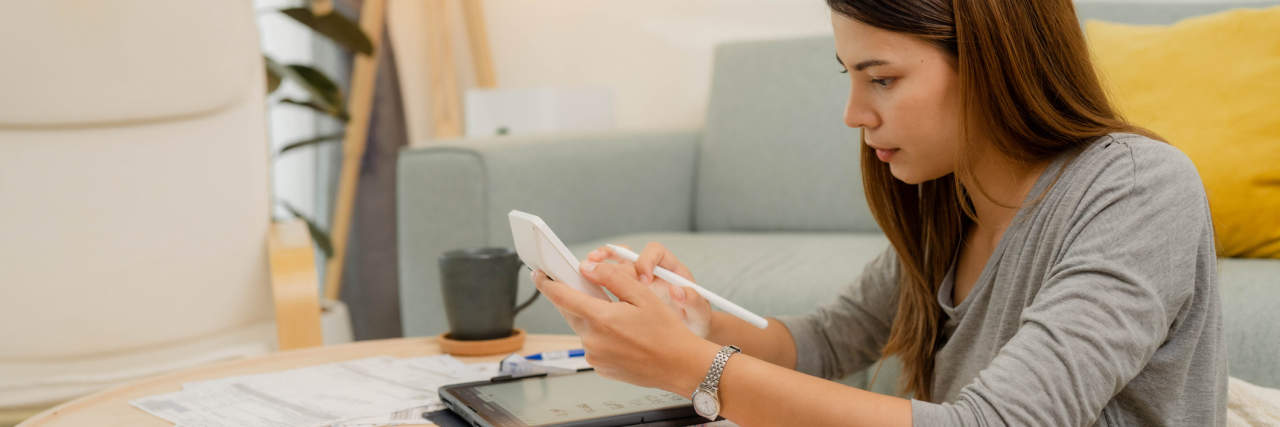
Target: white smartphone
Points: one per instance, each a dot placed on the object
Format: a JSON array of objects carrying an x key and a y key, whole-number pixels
[{"x": 539, "y": 248}]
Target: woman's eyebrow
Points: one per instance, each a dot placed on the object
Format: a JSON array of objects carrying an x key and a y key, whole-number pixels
[{"x": 864, "y": 64}]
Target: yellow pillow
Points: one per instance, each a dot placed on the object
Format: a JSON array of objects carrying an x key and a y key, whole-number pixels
[{"x": 1210, "y": 85}]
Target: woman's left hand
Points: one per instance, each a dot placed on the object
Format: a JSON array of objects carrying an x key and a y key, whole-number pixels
[{"x": 636, "y": 339}]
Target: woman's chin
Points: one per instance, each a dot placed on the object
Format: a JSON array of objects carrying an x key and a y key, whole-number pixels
[
  {"x": 903, "y": 175},
  {"x": 909, "y": 176}
]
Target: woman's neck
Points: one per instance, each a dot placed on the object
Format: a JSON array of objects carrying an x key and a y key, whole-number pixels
[{"x": 1005, "y": 185}]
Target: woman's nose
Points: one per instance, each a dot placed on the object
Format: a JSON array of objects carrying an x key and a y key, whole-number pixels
[{"x": 857, "y": 115}]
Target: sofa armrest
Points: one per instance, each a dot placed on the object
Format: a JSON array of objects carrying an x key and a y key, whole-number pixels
[
  {"x": 585, "y": 186},
  {"x": 295, "y": 288}
]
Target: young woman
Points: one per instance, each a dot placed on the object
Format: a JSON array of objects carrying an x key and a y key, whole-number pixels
[{"x": 1049, "y": 264}]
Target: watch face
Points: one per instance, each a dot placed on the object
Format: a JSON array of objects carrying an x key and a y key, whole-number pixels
[{"x": 705, "y": 404}]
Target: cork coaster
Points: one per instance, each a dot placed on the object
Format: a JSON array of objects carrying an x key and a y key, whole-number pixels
[{"x": 502, "y": 345}]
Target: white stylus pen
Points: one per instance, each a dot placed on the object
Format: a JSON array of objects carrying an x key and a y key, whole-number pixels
[{"x": 714, "y": 299}]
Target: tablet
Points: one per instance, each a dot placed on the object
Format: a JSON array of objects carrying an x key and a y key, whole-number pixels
[
  {"x": 539, "y": 248},
  {"x": 573, "y": 400}
]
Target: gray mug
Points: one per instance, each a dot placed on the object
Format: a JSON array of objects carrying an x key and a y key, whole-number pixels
[{"x": 479, "y": 287}]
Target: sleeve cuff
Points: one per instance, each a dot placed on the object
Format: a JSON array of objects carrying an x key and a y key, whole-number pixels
[
  {"x": 927, "y": 414},
  {"x": 808, "y": 342},
  {"x": 963, "y": 412}
]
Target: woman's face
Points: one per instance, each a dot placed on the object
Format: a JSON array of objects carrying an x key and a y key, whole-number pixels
[{"x": 904, "y": 96}]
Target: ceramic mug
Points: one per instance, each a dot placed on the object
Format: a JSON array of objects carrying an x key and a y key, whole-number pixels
[{"x": 479, "y": 287}]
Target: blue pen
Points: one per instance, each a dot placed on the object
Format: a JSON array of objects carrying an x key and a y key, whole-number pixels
[{"x": 556, "y": 355}]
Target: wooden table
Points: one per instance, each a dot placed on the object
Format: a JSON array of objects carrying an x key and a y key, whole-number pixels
[{"x": 111, "y": 407}]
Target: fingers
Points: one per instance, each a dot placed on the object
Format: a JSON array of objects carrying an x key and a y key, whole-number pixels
[
  {"x": 686, "y": 297},
  {"x": 656, "y": 255},
  {"x": 603, "y": 253},
  {"x": 570, "y": 301},
  {"x": 649, "y": 258},
  {"x": 620, "y": 279},
  {"x": 596, "y": 256},
  {"x": 664, "y": 292},
  {"x": 678, "y": 293},
  {"x": 695, "y": 311},
  {"x": 579, "y": 325},
  {"x": 693, "y": 298}
]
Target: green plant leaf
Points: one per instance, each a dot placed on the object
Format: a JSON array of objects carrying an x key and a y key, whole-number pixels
[
  {"x": 318, "y": 235},
  {"x": 335, "y": 26},
  {"x": 310, "y": 141},
  {"x": 321, "y": 88},
  {"x": 326, "y": 97},
  {"x": 327, "y": 110},
  {"x": 274, "y": 78}
]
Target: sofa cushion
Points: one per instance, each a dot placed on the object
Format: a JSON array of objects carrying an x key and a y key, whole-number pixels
[
  {"x": 1222, "y": 116},
  {"x": 1250, "y": 291},
  {"x": 1157, "y": 13},
  {"x": 767, "y": 273},
  {"x": 776, "y": 154}
]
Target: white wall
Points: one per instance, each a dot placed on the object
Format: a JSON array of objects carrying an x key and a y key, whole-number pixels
[{"x": 654, "y": 54}]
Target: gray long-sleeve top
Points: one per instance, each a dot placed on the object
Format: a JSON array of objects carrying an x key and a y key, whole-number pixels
[{"x": 1099, "y": 305}]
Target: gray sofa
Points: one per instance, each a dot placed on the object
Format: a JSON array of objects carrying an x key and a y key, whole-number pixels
[{"x": 764, "y": 203}]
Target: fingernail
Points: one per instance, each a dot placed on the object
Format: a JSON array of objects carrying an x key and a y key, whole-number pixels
[
  {"x": 648, "y": 278},
  {"x": 588, "y": 266},
  {"x": 533, "y": 274},
  {"x": 679, "y": 291}
]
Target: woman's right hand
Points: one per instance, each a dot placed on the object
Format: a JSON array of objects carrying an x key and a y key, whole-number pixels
[{"x": 694, "y": 310}]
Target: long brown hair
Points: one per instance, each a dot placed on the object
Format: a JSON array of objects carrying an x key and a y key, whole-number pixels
[{"x": 1027, "y": 86}]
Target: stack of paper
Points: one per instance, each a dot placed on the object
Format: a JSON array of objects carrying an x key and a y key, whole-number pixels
[{"x": 366, "y": 392}]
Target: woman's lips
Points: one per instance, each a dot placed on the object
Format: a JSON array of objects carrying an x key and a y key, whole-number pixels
[{"x": 883, "y": 153}]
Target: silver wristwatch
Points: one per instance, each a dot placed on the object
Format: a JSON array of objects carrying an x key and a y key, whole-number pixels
[{"x": 706, "y": 398}]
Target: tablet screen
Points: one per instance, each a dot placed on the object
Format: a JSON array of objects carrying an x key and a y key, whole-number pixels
[{"x": 567, "y": 398}]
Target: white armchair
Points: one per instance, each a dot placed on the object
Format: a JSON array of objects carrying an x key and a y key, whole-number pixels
[{"x": 134, "y": 200}]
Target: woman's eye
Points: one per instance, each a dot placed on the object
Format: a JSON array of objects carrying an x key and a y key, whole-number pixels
[{"x": 884, "y": 82}]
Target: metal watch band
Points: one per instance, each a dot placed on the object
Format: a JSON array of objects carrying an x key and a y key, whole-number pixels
[{"x": 712, "y": 381}]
